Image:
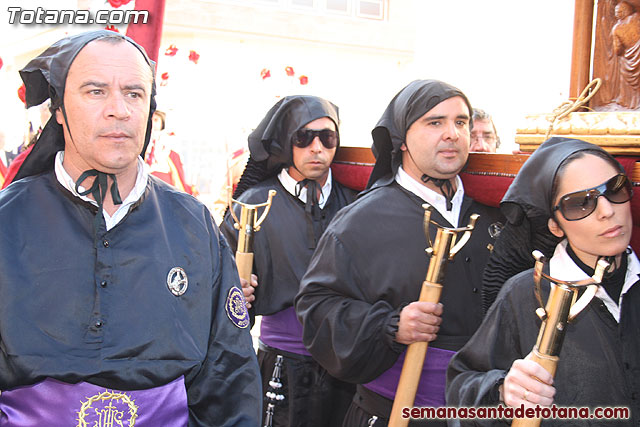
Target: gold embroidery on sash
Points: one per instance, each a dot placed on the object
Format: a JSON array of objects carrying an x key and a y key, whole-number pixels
[{"x": 110, "y": 415}]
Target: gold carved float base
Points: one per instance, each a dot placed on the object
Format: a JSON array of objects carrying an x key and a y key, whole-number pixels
[{"x": 616, "y": 132}]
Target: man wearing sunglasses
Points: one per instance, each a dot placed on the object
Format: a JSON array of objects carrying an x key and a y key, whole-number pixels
[
  {"x": 357, "y": 300},
  {"x": 291, "y": 151}
]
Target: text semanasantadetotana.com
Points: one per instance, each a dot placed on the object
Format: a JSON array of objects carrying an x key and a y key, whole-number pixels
[{"x": 504, "y": 412}]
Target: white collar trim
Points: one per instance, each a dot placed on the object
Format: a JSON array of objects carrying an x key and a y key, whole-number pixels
[
  {"x": 561, "y": 266},
  {"x": 290, "y": 185},
  {"x": 134, "y": 195},
  {"x": 434, "y": 198}
]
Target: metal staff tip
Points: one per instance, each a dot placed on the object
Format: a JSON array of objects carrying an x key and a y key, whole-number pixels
[
  {"x": 590, "y": 284},
  {"x": 456, "y": 246},
  {"x": 246, "y": 206}
]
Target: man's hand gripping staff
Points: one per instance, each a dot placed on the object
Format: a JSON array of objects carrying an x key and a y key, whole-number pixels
[{"x": 442, "y": 250}]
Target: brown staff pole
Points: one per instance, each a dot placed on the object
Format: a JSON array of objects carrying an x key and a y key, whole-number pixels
[
  {"x": 562, "y": 307},
  {"x": 442, "y": 250}
]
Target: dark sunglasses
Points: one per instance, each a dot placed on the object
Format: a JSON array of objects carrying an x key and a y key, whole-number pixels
[
  {"x": 303, "y": 137},
  {"x": 581, "y": 204}
]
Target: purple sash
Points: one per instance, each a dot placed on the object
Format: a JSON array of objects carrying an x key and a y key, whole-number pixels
[
  {"x": 283, "y": 331},
  {"x": 55, "y": 403},
  {"x": 432, "y": 382}
]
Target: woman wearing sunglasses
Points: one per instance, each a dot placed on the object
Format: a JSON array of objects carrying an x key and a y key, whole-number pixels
[{"x": 585, "y": 196}]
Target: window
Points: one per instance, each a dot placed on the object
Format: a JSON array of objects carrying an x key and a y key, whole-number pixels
[
  {"x": 338, "y": 5},
  {"x": 366, "y": 9},
  {"x": 370, "y": 9}
]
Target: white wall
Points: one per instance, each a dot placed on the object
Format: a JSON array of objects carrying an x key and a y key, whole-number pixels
[{"x": 511, "y": 58}]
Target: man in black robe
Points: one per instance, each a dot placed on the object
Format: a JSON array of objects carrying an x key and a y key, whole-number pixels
[
  {"x": 291, "y": 152},
  {"x": 357, "y": 301},
  {"x": 119, "y": 297}
]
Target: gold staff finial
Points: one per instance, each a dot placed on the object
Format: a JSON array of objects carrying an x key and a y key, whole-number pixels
[{"x": 248, "y": 224}]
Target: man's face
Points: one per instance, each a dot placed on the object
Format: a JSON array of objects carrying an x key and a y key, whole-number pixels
[
  {"x": 313, "y": 161},
  {"x": 483, "y": 137},
  {"x": 107, "y": 96},
  {"x": 437, "y": 144}
]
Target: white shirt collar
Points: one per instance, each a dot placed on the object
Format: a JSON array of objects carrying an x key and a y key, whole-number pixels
[
  {"x": 134, "y": 195},
  {"x": 562, "y": 267},
  {"x": 434, "y": 198},
  {"x": 290, "y": 185}
]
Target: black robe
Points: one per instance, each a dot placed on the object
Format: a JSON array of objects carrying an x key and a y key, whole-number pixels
[
  {"x": 599, "y": 361},
  {"x": 103, "y": 314},
  {"x": 368, "y": 264},
  {"x": 282, "y": 251},
  {"x": 281, "y": 247}
]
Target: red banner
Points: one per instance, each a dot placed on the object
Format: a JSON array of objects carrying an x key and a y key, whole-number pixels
[{"x": 149, "y": 35}]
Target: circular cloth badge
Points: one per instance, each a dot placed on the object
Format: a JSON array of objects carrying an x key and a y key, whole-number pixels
[{"x": 236, "y": 308}]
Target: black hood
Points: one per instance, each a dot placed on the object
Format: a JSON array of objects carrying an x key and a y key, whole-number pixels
[{"x": 411, "y": 103}]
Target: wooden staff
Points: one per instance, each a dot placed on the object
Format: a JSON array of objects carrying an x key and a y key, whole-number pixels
[
  {"x": 442, "y": 250},
  {"x": 247, "y": 226},
  {"x": 562, "y": 307}
]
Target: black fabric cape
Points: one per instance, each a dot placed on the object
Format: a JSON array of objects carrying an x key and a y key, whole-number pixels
[
  {"x": 599, "y": 364},
  {"x": 370, "y": 262},
  {"x": 45, "y": 77},
  {"x": 51, "y": 297},
  {"x": 281, "y": 247}
]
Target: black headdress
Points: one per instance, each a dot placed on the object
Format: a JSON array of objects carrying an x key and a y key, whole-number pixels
[
  {"x": 45, "y": 77},
  {"x": 411, "y": 103},
  {"x": 527, "y": 207}
]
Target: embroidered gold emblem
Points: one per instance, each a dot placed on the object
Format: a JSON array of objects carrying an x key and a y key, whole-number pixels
[
  {"x": 108, "y": 409},
  {"x": 236, "y": 308}
]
